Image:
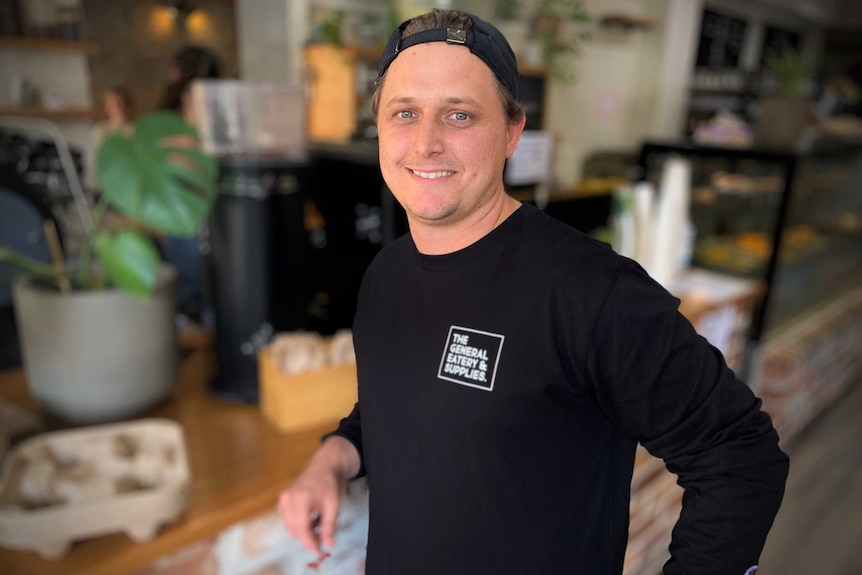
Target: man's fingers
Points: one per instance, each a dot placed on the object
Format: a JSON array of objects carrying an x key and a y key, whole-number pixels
[
  {"x": 328, "y": 517},
  {"x": 296, "y": 512}
]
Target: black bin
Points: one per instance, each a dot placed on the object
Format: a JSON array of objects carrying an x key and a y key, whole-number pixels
[{"x": 254, "y": 267}]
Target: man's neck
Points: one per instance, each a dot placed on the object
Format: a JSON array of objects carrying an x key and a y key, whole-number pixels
[{"x": 436, "y": 240}]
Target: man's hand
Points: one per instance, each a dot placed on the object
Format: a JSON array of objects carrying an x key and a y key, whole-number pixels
[{"x": 309, "y": 507}]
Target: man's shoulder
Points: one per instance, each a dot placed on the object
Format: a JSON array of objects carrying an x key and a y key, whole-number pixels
[
  {"x": 551, "y": 240},
  {"x": 391, "y": 256},
  {"x": 399, "y": 248}
]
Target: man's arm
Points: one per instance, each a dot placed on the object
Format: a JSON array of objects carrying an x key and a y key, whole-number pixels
[
  {"x": 666, "y": 386},
  {"x": 309, "y": 507}
]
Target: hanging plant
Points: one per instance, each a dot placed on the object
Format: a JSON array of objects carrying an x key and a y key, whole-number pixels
[
  {"x": 790, "y": 71},
  {"x": 560, "y": 27},
  {"x": 505, "y": 10}
]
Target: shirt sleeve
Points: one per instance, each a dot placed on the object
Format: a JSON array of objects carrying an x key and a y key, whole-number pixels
[
  {"x": 664, "y": 385},
  {"x": 350, "y": 428}
]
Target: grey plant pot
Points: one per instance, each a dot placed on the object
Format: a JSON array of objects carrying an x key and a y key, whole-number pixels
[
  {"x": 98, "y": 356},
  {"x": 780, "y": 122}
]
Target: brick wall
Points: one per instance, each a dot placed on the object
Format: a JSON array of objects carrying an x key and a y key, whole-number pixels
[{"x": 138, "y": 39}]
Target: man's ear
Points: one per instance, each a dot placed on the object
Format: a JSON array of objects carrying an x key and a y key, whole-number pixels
[{"x": 514, "y": 135}]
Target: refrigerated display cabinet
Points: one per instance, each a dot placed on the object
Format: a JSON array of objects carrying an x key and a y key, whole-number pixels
[{"x": 790, "y": 219}]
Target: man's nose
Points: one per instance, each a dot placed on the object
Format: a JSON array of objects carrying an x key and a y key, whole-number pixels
[{"x": 429, "y": 136}]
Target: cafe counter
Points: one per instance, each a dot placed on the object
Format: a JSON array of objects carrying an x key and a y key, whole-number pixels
[{"x": 238, "y": 462}]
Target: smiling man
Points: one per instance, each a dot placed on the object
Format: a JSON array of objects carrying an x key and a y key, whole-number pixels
[{"x": 509, "y": 365}]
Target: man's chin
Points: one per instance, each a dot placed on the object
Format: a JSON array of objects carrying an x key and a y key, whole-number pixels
[{"x": 432, "y": 217}]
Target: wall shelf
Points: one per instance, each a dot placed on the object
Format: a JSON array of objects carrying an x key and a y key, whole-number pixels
[
  {"x": 626, "y": 22},
  {"x": 47, "y": 44},
  {"x": 533, "y": 70},
  {"x": 50, "y": 114}
]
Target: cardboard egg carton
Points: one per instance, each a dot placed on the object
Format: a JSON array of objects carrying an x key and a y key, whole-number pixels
[{"x": 60, "y": 487}]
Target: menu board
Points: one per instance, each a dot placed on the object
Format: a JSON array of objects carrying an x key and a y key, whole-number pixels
[
  {"x": 721, "y": 39},
  {"x": 776, "y": 41}
]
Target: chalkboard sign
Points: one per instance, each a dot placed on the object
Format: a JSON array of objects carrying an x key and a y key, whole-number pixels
[
  {"x": 776, "y": 41},
  {"x": 721, "y": 39}
]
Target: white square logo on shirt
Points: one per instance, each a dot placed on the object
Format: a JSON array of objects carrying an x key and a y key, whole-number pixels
[{"x": 470, "y": 357}]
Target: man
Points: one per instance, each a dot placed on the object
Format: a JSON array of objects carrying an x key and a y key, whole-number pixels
[{"x": 508, "y": 365}]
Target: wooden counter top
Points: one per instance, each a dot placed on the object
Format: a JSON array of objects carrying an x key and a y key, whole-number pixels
[{"x": 238, "y": 462}]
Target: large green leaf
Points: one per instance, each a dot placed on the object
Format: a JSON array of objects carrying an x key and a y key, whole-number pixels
[
  {"x": 157, "y": 175},
  {"x": 129, "y": 261}
]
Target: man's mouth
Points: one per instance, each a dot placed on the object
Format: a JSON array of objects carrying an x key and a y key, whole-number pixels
[{"x": 432, "y": 175}]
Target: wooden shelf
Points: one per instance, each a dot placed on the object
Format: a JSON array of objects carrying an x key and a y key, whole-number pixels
[
  {"x": 358, "y": 52},
  {"x": 626, "y": 22},
  {"x": 368, "y": 52},
  {"x": 47, "y": 44},
  {"x": 533, "y": 70},
  {"x": 60, "y": 114},
  {"x": 588, "y": 188}
]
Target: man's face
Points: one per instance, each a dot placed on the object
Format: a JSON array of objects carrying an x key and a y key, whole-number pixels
[{"x": 443, "y": 135}]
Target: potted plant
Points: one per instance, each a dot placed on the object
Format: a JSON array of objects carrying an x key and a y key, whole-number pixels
[
  {"x": 557, "y": 34},
  {"x": 97, "y": 335},
  {"x": 507, "y": 19},
  {"x": 784, "y": 113}
]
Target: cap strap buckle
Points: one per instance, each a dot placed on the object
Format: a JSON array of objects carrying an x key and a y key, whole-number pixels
[{"x": 456, "y": 36}]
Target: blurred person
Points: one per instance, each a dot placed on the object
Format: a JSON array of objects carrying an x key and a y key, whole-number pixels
[
  {"x": 508, "y": 365},
  {"x": 118, "y": 105},
  {"x": 187, "y": 65}
]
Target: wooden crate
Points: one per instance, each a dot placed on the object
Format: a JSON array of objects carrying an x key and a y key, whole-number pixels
[{"x": 302, "y": 401}]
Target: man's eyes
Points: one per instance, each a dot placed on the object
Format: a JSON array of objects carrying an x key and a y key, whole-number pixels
[{"x": 410, "y": 115}]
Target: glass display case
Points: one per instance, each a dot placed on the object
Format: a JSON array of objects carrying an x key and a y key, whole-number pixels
[
  {"x": 791, "y": 220},
  {"x": 820, "y": 254}
]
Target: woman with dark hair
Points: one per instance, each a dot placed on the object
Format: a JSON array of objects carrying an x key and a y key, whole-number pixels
[{"x": 189, "y": 64}]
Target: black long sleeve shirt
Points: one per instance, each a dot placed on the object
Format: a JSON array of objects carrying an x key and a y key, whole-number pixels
[{"x": 503, "y": 389}]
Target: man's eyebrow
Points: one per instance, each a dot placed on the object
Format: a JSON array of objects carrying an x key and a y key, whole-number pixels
[
  {"x": 463, "y": 100},
  {"x": 401, "y": 100}
]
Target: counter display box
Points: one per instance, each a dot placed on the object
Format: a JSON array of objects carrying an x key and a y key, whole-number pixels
[{"x": 307, "y": 381}]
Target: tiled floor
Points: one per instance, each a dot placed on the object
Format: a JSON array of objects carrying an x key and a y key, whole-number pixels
[{"x": 819, "y": 526}]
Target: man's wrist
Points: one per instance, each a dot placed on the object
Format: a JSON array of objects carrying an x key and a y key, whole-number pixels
[{"x": 339, "y": 456}]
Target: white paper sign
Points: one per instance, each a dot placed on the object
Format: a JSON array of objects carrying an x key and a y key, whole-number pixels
[{"x": 531, "y": 162}]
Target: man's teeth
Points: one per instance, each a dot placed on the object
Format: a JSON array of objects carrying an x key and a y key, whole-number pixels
[{"x": 432, "y": 175}]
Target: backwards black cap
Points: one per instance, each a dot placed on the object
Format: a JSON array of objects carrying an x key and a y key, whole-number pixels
[{"x": 484, "y": 40}]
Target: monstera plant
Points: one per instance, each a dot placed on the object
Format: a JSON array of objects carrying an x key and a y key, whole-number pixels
[
  {"x": 97, "y": 334},
  {"x": 160, "y": 182}
]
